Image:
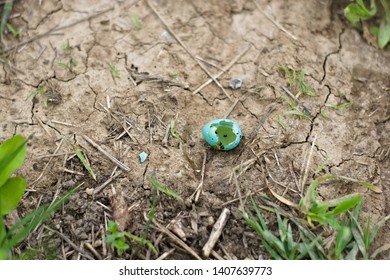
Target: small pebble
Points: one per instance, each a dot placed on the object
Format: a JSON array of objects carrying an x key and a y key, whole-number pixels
[{"x": 235, "y": 83}]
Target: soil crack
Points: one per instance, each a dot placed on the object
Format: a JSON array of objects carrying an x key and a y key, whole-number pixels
[{"x": 331, "y": 53}]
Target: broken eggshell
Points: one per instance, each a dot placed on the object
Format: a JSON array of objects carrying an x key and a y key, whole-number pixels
[{"x": 222, "y": 134}]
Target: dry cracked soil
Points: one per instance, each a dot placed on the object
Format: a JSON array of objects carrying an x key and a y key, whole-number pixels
[{"x": 121, "y": 73}]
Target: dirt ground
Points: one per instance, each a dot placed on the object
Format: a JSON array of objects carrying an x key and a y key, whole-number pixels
[{"x": 130, "y": 113}]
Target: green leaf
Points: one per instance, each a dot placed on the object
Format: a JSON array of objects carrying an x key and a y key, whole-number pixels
[
  {"x": 356, "y": 12},
  {"x": 376, "y": 228},
  {"x": 374, "y": 30},
  {"x": 137, "y": 22},
  {"x": 345, "y": 205},
  {"x": 344, "y": 235},
  {"x": 11, "y": 193},
  {"x": 383, "y": 34},
  {"x": 353, "y": 253},
  {"x": 164, "y": 189},
  {"x": 141, "y": 241},
  {"x": 112, "y": 226},
  {"x": 12, "y": 155}
]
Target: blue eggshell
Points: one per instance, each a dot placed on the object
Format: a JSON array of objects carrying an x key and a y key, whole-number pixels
[
  {"x": 143, "y": 156},
  {"x": 222, "y": 134}
]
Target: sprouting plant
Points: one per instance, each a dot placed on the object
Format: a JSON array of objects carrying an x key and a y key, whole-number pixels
[
  {"x": 325, "y": 212},
  {"x": 41, "y": 92},
  {"x": 350, "y": 240},
  {"x": 12, "y": 156},
  {"x": 280, "y": 121},
  {"x": 137, "y": 22},
  {"x": 297, "y": 112},
  {"x": 358, "y": 11},
  {"x": 282, "y": 246},
  {"x": 85, "y": 162},
  {"x": 72, "y": 62},
  {"x": 364, "y": 236},
  {"x": 297, "y": 78},
  {"x": 69, "y": 66},
  {"x": 115, "y": 72},
  {"x": 163, "y": 189},
  {"x": 116, "y": 238},
  {"x": 303, "y": 87},
  {"x": 172, "y": 75},
  {"x": 13, "y": 30},
  {"x": 67, "y": 47},
  {"x": 290, "y": 73},
  {"x": 173, "y": 132},
  {"x": 341, "y": 106}
]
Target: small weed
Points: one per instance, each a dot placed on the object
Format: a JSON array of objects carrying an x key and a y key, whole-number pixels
[
  {"x": 297, "y": 78},
  {"x": 280, "y": 121},
  {"x": 72, "y": 62},
  {"x": 357, "y": 12},
  {"x": 341, "y": 106},
  {"x": 284, "y": 246},
  {"x": 164, "y": 189},
  {"x": 67, "y": 47},
  {"x": 13, "y": 30},
  {"x": 114, "y": 71},
  {"x": 137, "y": 22},
  {"x": 297, "y": 112},
  {"x": 173, "y": 132},
  {"x": 291, "y": 75},
  {"x": 41, "y": 92},
  {"x": 172, "y": 75},
  {"x": 324, "y": 212},
  {"x": 69, "y": 66},
  {"x": 85, "y": 162},
  {"x": 117, "y": 239}
]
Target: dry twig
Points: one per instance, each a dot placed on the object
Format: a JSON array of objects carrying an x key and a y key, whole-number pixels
[{"x": 216, "y": 232}]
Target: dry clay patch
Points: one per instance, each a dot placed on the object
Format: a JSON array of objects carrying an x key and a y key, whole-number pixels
[{"x": 347, "y": 141}]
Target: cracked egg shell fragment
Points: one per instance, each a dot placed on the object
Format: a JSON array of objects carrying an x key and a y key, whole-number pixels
[{"x": 222, "y": 134}]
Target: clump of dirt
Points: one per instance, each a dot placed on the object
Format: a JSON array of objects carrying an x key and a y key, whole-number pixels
[{"x": 129, "y": 109}]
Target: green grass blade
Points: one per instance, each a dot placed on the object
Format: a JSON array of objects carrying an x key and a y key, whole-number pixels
[
  {"x": 259, "y": 216},
  {"x": 25, "y": 226},
  {"x": 344, "y": 236},
  {"x": 141, "y": 241},
  {"x": 137, "y": 22},
  {"x": 352, "y": 255},
  {"x": 84, "y": 161},
  {"x": 151, "y": 214},
  {"x": 359, "y": 242},
  {"x": 275, "y": 243},
  {"x": 383, "y": 34},
  {"x": 173, "y": 132},
  {"x": 4, "y": 18},
  {"x": 164, "y": 189},
  {"x": 376, "y": 228},
  {"x": 114, "y": 71}
]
